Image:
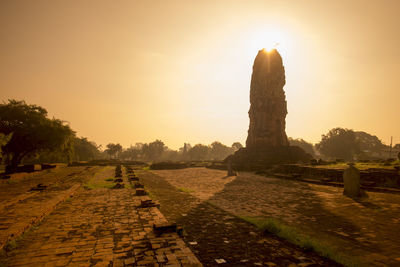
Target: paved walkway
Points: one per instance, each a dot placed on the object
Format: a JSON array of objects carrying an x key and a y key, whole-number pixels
[
  {"x": 368, "y": 231},
  {"x": 20, "y": 207},
  {"x": 214, "y": 234},
  {"x": 100, "y": 227}
]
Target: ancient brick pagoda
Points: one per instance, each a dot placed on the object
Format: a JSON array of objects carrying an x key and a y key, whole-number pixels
[
  {"x": 267, "y": 101},
  {"x": 267, "y": 143}
]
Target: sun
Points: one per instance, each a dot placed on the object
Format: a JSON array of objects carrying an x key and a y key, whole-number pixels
[{"x": 268, "y": 38}]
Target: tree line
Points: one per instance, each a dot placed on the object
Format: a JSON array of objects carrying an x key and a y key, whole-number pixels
[
  {"x": 158, "y": 151},
  {"x": 28, "y": 135}
]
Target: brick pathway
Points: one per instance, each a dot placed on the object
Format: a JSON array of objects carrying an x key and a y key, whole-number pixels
[
  {"x": 100, "y": 227},
  {"x": 20, "y": 207},
  {"x": 214, "y": 234},
  {"x": 368, "y": 231}
]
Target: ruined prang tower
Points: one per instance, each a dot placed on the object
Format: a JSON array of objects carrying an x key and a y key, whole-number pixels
[
  {"x": 267, "y": 101},
  {"x": 267, "y": 143}
]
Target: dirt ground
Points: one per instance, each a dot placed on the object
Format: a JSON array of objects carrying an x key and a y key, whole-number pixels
[{"x": 367, "y": 231}]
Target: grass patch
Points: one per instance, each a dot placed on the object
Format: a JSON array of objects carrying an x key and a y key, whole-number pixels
[
  {"x": 294, "y": 236},
  {"x": 360, "y": 165},
  {"x": 151, "y": 195},
  {"x": 98, "y": 184},
  {"x": 13, "y": 244},
  {"x": 147, "y": 168},
  {"x": 109, "y": 179},
  {"x": 186, "y": 190}
]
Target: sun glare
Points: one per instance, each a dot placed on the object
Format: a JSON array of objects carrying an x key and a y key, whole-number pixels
[{"x": 268, "y": 38}]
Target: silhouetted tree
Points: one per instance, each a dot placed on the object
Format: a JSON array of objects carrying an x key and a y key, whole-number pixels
[
  {"x": 339, "y": 143},
  {"x": 155, "y": 150},
  {"x": 219, "y": 151},
  {"x": 307, "y": 147},
  {"x": 32, "y": 132},
  {"x": 133, "y": 152},
  {"x": 3, "y": 141},
  {"x": 236, "y": 146},
  {"x": 113, "y": 149},
  {"x": 198, "y": 152},
  {"x": 85, "y": 150},
  {"x": 370, "y": 146}
]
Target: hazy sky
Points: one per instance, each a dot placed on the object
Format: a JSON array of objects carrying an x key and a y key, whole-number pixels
[{"x": 179, "y": 71}]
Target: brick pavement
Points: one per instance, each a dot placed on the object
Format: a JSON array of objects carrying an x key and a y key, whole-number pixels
[
  {"x": 214, "y": 234},
  {"x": 20, "y": 208},
  {"x": 368, "y": 230},
  {"x": 100, "y": 227}
]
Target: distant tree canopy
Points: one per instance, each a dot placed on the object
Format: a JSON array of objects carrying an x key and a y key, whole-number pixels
[
  {"x": 113, "y": 150},
  {"x": 370, "y": 146},
  {"x": 339, "y": 143},
  {"x": 85, "y": 150},
  {"x": 198, "y": 152},
  {"x": 307, "y": 147},
  {"x": 153, "y": 150},
  {"x": 236, "y": 146},
  {"x": 31, "y": 132}
]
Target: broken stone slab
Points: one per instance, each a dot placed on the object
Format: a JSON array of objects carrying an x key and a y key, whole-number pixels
[
  {"x": 118, "y": 186},
  {"x": 134, "y": 179},
  {"x": 148, "y": 203},
  {"x": 138, "y": 185},
  {"x": 140, "y": 192},
  {"x": 166, "y": 227},
  {"x": 39, "y": 187},
  {"x": 220, "y": 261}
]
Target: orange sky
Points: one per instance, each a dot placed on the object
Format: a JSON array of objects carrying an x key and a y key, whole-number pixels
[{"x": 179, "y": 71}]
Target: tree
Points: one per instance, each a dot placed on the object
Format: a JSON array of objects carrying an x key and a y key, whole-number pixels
[
  {"x": 32, "y": 132},
  {"x": 198, "y": 152},
  {"x": 3, "y": 141},
  {"x": 85, "y": 150},
  {"x": 236, "y": 146},
  {"x": 155, "y": 150},
  {"x": 133, "y": 152},
  {"x": 307, "y": 147},
  {"x": 370, "y": 146},
  {"x": 113, "y": 149},
  {"x": 339, "y": 143},
  {"x": 220, "y": 151}
]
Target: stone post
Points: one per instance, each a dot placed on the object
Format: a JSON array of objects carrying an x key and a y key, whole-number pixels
[{"x": 351, "y": 180}]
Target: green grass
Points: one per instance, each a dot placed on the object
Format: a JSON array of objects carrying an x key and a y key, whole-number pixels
[
  {"x": 109, "y": 179},
  {"x": 151, "y": 195},
  {"x": 147, "y": 168},
  {"x": 294, "y": 236},
  {"x": 360, "y": 165},
  {"x": 98, "y": 184},
  {"x": 13, "y": 244},
  {"x": 187, "y": 190}
]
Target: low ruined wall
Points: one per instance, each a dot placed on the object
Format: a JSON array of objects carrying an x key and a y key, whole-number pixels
[{"x": 375, "y": 177}]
